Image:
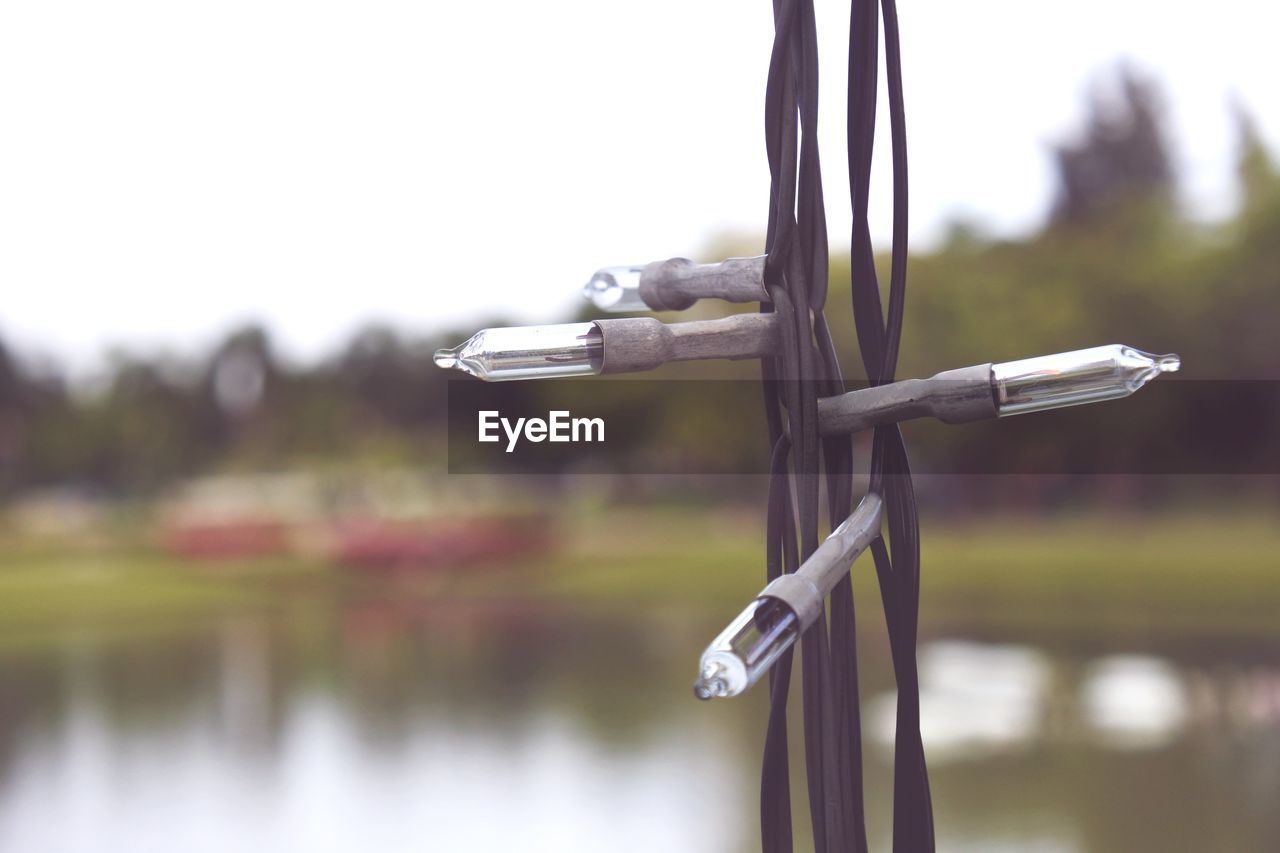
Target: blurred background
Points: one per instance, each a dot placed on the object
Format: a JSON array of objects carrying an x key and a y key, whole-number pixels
[{"x": 244, "y": 605}]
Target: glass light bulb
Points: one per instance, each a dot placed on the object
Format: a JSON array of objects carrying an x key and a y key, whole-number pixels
[
  {"x": 745, "y": 650},
  {"x": 527, "y": 352},
  {"x": 616, "y": 289},
  {"x": 1072, "y": 378}
]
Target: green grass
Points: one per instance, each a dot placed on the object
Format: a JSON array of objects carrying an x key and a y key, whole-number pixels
[
  {"x": 46, "y": 590},
  {"x": 1187, "y": 574},
  {"x": 1180, "y": 573}
]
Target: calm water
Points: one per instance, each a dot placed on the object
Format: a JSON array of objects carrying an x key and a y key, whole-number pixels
[{"x": 387, "y": 727}]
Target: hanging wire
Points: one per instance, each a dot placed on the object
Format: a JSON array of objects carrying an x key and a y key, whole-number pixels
[
  {"x": 898, "y": 565},
  {"x": 796, "y": 274}
]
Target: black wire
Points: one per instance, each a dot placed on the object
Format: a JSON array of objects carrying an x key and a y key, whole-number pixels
[
  {"x": 898, "y": 566},
  {"x": 796, "y": 274},
  {"x": 775, "y": 776}
]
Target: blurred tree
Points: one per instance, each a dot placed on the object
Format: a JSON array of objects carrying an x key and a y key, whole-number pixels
[
  {"x": 1256, "y": 173},
  {"x": 1123, "y": 155},
  {"x": 12, "y": 400},
  {"x": 390, "y": 378},
  {"x": 1242, "y": 273},
  {"x": 240, "y": 373},
  {"x": 1115, "y": 264}
]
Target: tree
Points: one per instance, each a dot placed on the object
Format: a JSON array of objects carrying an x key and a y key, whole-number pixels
[
  {"x": 1255, "y": 170},
  {"x": 1122, "y": 157}
]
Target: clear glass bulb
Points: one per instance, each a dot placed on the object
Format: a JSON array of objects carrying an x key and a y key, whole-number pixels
[
  {"x": 1072, "y": 378},
  {"x": 616, "y": 289},
  {"x": 527, "y": 352},
  {"x": 745, "y": 650}
]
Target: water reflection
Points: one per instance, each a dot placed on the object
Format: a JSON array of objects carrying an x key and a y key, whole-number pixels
[
  {"x": 979, "y": 700},
  {"x": 975, "y": 700},
  {"x": 387, "y": 724},
  {"x": 1134, "y": 701}
]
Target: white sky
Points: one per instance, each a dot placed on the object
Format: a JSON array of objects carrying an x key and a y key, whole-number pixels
[{"x": 170, "y": 169}]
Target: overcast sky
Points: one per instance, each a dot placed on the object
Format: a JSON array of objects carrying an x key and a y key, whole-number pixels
[{"x": 168, "y": 170}]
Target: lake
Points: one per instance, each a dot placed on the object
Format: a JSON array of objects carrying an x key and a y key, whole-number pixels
[{"x": 395, "y": 725}]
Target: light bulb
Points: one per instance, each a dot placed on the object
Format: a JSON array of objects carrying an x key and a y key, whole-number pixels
[
  {"x": 1073, "y": 378},
  {"x": 676, "y": 284},
  {"x": 619, "y": 345},
  {"x": 745, "y": 650},
  {"x": 527, "y": 352},
  {"x": 616, "y": 289}
]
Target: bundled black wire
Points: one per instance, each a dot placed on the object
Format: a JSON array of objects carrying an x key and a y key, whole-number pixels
[{"x": 796, "y": 278}]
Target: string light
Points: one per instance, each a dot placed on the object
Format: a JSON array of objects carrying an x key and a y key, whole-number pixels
[
  {"x": 621, "y": 345},
  {"x": 746, "y": 649},
  {"x": 675, "y": 284},
  {"x": 616, "y": 289},
  {"x": 999, "y": 390},
  {"x": 527, "y": 352},
  {"x": 1073, "y": 378},
  {"x": 770, "y": 624}
]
